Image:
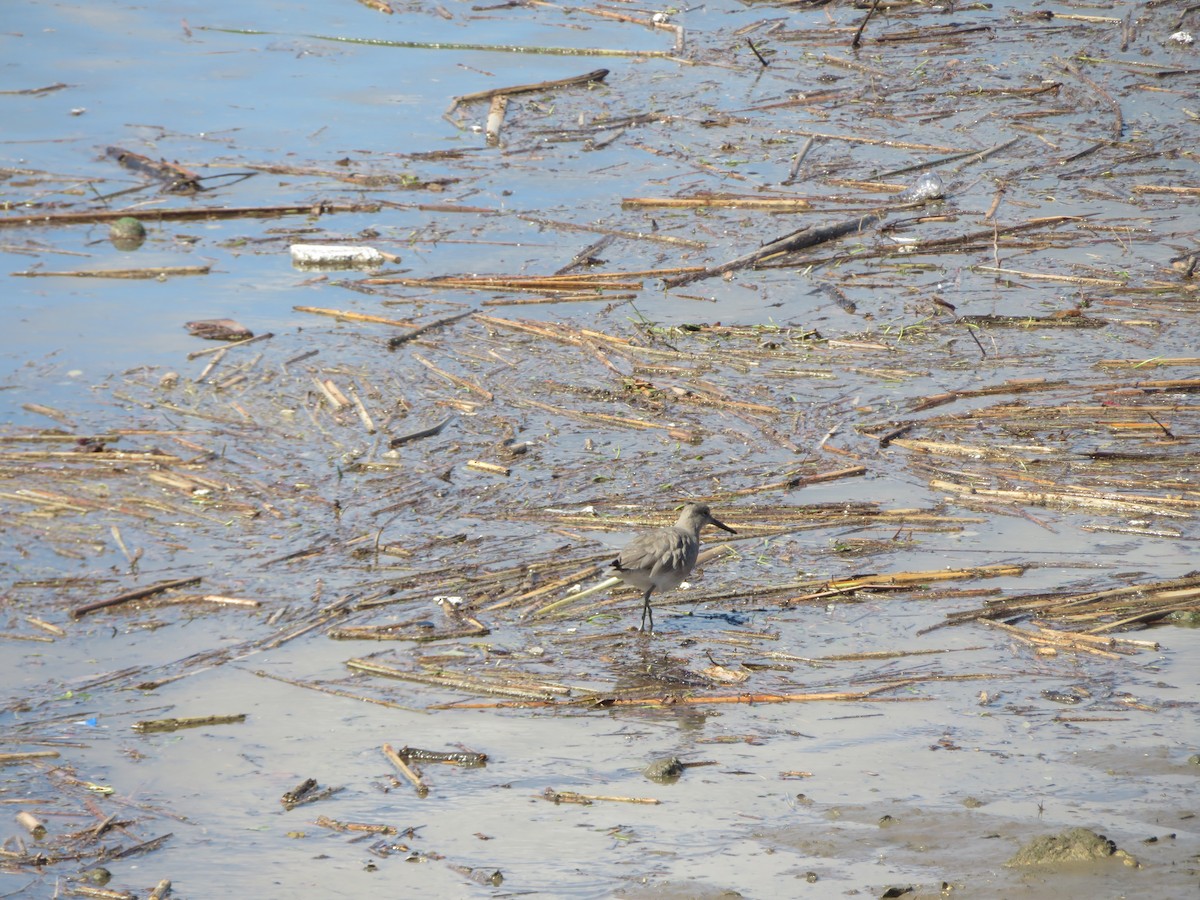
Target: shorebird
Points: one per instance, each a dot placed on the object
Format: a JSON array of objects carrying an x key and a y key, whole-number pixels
[{"x": 663, "y": 558}]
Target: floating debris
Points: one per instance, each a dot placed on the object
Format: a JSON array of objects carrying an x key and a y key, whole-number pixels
[{"x": 337, "y": 256}]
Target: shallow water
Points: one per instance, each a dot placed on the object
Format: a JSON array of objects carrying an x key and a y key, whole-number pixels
[{"x": 301, "y": 496}]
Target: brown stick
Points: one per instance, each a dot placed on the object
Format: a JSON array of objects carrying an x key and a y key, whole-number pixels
[
  {"x": 1118, "y": 119},
  {"x": 390, "y": 753},
  {"x": 863, "y": 24},
  {"x": 152, "y": 272},
  {"x": 139, "y": 594},
  {"x": 590, "y": 77},
  {"x": 191, "y": 214},
  {"x": 797, "y": 240},
  {"x": 395, "y": 342}
]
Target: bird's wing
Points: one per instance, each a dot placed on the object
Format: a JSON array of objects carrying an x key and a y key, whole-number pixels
[
  {"x": 642, "y": 552},
  {"x": 674, "y": 558}
]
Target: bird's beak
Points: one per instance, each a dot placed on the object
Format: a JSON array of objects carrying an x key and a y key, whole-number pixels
[{"x": 721, "y": 525}]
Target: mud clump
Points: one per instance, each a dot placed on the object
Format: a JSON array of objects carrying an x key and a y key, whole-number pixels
[
  {"x": 664, "y": 770},
  {"x": 1075, "y": 845}
]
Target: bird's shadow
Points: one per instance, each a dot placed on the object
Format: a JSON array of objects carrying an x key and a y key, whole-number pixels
[
  {"x": 643, "y": 668},
  {"x": 732, "y": 619}
]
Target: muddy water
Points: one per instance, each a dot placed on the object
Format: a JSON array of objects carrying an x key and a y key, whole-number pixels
[{"x": 979, "y": 743}]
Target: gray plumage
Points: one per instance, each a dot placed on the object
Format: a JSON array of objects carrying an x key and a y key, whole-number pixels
[{"x": 663, "y": 558}]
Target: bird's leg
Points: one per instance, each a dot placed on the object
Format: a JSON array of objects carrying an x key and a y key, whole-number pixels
[{"x": 646, "y": 611}]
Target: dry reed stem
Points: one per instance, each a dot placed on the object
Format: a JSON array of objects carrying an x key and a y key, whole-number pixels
[
  {"x": 1162, "y": 506},
  {"x": 452, "y": 682},
  {"x": 27, "y": 756},
  {"x": 231, "y": 345},
  {"x": 901, "y": 580},
  {"x": 128, "y": 274},
  {"x": 148, "y": 458},
  {"x": 1147, "y": 600},
  {"x": 546, "y": 284},
  {"x": 797, "y": 481},
  {"x": 614, "y": 232},
  {"x": 876, "y": 142},
  {"x": 608, "y": 702},
  {"x": 586, "y": 799},
  {"x": 1165, "y": 189},
  {"x": 1047, "y": 276},
  {"x": 720, "y": 201},
  {"x": 337, "y": 692},
  {"x": 605, "y": 418},
  {"x": 351, "y": 316},
  {"x": 455, "y": 379},
  {"x": 1050, "y": 639},
  {"x": 190, "y": 213},
  {"x": 550, "y": 587}
]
